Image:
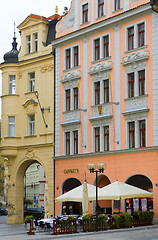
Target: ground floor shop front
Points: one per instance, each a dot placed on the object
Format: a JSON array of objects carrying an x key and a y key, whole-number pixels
[{"x": 135, "y": 167}]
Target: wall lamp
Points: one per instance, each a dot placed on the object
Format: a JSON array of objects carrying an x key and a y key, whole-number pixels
[{"x": 154, "y": 5}]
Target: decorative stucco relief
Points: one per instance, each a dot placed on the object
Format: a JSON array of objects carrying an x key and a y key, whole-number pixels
[
  {"x": 71, "y": 76},
  {"x": 100, "y": 67},
  {"x": 105, "y": 110},
  {"x": 136, "y": 102},
  {"x": 101, "y": 122},
  {"x": 30, "y": 106},
  {"x": 136, "y": 116},
  {"x": 67, "y": 21},
  {"x": 131, "y": 58},
  {"x": 30, "y": 153},
  {"x": 135, "y": 66},
  {"x": 72, "y": 127},
  {"x": 99, "y": 76},
  {"x": 48, "y": 67},
  {"x": 71, "y": 115}
]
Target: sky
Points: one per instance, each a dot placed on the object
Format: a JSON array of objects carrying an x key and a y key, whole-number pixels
[{"x": 16, "y": 11}]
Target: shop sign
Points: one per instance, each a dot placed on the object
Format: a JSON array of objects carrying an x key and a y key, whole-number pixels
[{"x": 76, "y": 170}]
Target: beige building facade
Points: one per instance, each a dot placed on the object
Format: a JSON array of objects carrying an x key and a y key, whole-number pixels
[{"x": 28, "y": 109}]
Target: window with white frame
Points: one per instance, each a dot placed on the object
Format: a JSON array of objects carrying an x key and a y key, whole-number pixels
[
  {"x": 35, "y": 38},
  {"x": 137, "y": 133},
  {"x": 72, "y": 57},
  {"x": 136, "y": 83},
  {"x": 101, "y": 48},
  {"x": 75, "y": 98},
  {"x": 101, "y": 137},
  {"x": 12, "y": 84},
  {"x": 28, "y": 40},
  {"x": 100, "y": 8},
  {"x": 97, "y": 139},
  {"x": 101, "y": 92},
  {"x": 106, "y": 138},
  {"x": 67, "y": 138},
  {"x": 31, "y": 123},
  {"x": 31, "y": 82},
  {"x": 11, "y": 123},
  {"x": 68, "y": 99},
  {"x": 85, "y": 13},
  {"x": 136, "y": 35},
  {"x": 117, "y": 5},
  {"x": 75, "y": 135},
  {"x": 71, "y": 142}
]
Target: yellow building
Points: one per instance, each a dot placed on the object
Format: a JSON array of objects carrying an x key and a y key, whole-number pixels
[{"x": 28, "y": 109}]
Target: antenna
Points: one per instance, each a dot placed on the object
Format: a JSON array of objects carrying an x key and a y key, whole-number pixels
[{"x": 14, "y": 29}]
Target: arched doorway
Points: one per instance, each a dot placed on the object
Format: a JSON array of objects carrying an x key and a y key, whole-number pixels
[
  {"x": 139, "y": 204},
  {"x": 105, "y": 206},
  {"x": 17, "y": 167},
  {"x": 69, "y": 208}
]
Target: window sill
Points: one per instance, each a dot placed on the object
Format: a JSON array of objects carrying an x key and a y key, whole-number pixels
[
  {"x": 135, "y": 49},
  {"x": 31, "y": 53},
  {"x": 101, "y": 104},
  {"x": 100, "y": 60},
  {"x": 136, "y": 97},
  {"x": 28, "y": 93},
  {"x": 10, "y": 95},
  {"x": 30, "y": 136},
  {"x": 82, "y": 24},
  {"x": 71, "y": 111},
  {"x": 98, "y": 18},
  {"x": 70, "y": 69},
  {"x": 120, "y": 9},
  {"x": 12, "y": 137}
]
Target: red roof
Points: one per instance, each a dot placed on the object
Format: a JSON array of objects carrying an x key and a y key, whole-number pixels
[{"x": 55, "y": 16}]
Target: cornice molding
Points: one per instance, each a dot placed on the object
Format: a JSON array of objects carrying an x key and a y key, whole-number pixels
[
  {"x": 131, "y": 58},
  {"x": 73, "y": 75}
]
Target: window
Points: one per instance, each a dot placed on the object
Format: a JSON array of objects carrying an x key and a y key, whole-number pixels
[
  {"x": 11, "y": 132},
  {"x": 131, "y": 85},
  {"x": 28, "y": 44},
  {"x": 68, "y": 100},
  {"x": 131, "y": 134},
  {"x": 106, "y": 138},
  {"x": 100, "y": 8},
  {"x": 67, "y": 143},
  {"x": 106, "y": 91},
  {"x": 106, "y": 46},
  {"x": 130, "y": 38},
  {"x": 31, "y": 82},
  {"x": 141, "y": 34},
  {"x": 141, "y": 75},
  {"x": 97, "y": 139},
  {"x": 35, "y": 42},
  {"x": 31, "y": 125},
  {"x": 68, "y": 59},
  {"x": 75, "y": 142},
  {"x": 97, "y": 49},
  {"x": 142, "y": 133},
  {"x": 12, "y": 84},
  {"x": 85, "y": 13},
  {"x": 117, "y": 5},
  {"x": 97, "y": 93},
  {"x": 75, "y": 98},
  {"x": 136, "y": 36},
  {"x": 75, "y": 56}
]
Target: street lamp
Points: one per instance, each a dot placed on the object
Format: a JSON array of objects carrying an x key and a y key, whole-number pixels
[
  {"x": 100, "y": 169},
  {"x": 154, "y": 5}
]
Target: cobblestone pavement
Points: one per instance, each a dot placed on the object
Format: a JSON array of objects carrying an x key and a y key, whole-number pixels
[{"x": 18, "y": 232}]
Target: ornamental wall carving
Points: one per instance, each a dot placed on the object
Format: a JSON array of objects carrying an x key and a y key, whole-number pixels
[
  {"x": 71, "y": 115},
  {"x": 136, "y": 116},
  {"x": 101, "y": 122},
  {"x": 30, "y": 106},
  {"x": 67, "y": 21},
  {"x": 136, "y": 66},
  {"x": 71, "y": 76},
  {"x": 136, "y": 102},
  {"x": 105, "y": 109},
  {"x": 135, "y": 57},
  {"x": 30, "y": 153},
  {"x": 99, "y": 76},
  {"x": 71, "y": 127},
  {"x": 100, "y": 67},
  {"x": 48, "y": 67}
]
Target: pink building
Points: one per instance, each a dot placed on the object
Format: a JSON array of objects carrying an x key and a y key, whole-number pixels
[{"x": 106, "y": 88}]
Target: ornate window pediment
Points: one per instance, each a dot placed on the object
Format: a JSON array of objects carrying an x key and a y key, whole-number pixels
[
  {"x": 30, "y": 106},
  {"x": 132, "y": 58},
  {"x": 71, "y": 76},
  {"x": 100, "y": 67}
]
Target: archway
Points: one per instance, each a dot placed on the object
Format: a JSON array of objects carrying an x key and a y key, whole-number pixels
[
  {"x": 105, "y": 206},
  {"x": 16, "y": 170},
  {"x": 69, "y": 208},
  {"x": 139, "y": 204}
]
